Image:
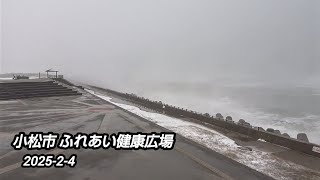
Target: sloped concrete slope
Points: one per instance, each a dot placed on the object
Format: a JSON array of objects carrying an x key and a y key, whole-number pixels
[{"x": 33, "y": 88}]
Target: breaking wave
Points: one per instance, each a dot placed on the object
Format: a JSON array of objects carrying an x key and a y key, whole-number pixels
[{"x": 280, "y": 115}]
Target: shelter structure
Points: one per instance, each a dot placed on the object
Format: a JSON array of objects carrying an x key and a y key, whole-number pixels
[{"x": 52, "y": 71}]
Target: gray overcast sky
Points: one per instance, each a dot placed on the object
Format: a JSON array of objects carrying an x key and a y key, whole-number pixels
[{"x": 169, "y": 40}]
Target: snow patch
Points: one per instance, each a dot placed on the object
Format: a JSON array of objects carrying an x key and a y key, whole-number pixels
[
  {"x": 5, "y": 78},
  {"x": 34, "y": 77},
  {"x": 262, "y": 140},
  {"x": 8, "y": 102}
]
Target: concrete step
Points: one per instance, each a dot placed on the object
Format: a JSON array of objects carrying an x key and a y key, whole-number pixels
[
  {"x": 33, "y": 89},
  {"x": 39, "y": 95},
  {"x": 40, "y": 92},
  {"x": 21, "y": 90},
  {"x": 36, "y": 94},
  {"x": 30, "y": 88},
  {"x": 26, "y": 83},
  {"x": 30, "y": 85}
]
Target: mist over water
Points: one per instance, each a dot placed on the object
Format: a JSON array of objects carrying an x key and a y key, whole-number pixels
[{"x": 289, "y": 109}]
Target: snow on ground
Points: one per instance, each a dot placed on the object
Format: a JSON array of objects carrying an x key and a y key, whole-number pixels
[
  {"x": 261, "y": 161},
  {"x": 34, "y": 77},
  {"x": 5, "y": 78},
  {"x": 262, "y": 140},
  {"x": 8, "y": 102}
]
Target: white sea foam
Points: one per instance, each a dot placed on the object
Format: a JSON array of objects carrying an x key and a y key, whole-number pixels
[{"x": 307, "y": 123}]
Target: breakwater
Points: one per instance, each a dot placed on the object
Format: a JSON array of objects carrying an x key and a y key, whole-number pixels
[{"x": 242, "y": 127}]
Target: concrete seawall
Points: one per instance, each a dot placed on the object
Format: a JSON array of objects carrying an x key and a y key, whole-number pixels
[{"x": 259, "y": 133}]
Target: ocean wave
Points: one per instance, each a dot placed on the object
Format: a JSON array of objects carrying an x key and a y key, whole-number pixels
[{"x": 292, "y": 125}]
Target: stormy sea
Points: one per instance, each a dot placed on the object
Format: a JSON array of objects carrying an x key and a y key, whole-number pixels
[{"x": 290, "y": 109}]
